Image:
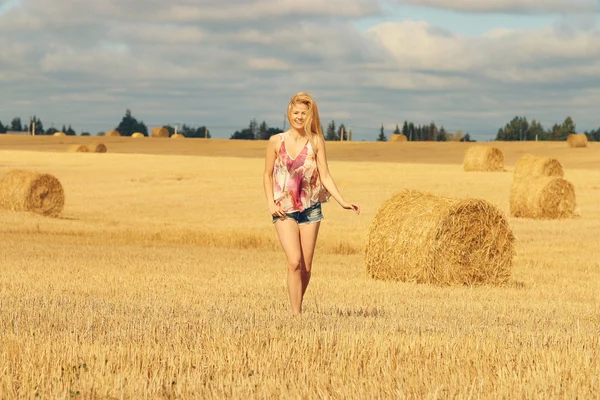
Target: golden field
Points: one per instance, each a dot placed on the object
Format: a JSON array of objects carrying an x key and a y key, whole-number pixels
[{"x": 163, "y": 278}]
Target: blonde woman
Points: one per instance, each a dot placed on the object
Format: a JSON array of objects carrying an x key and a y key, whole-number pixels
[{"x": 296, "y": 182}]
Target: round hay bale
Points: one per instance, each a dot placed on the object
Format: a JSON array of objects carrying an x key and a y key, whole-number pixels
[
  {"x": 113, "y": 133},
  {"x": 542, "y": 197},
  {"x": 78, "y": 148},
  {"x": 577, "y": 140},
  {"x": 398, "y": 137},
  {"x": 59, "y": 134},
  {"x": 530, "y": 166},
  {"x": 178, "y": 136},
  {"x": 419, "y": 237},
  {"x": 22, "y": 190},
  {"x": 160, "y": 131},
  {"x": 97, "y": 148},
  {"x": 483, "y": 158},
  {"x": 138, "y": 135}
]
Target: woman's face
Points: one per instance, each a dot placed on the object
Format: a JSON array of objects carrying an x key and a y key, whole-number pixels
[{"x": 298, "y": 116}]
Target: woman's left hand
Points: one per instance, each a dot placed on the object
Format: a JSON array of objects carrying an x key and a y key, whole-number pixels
[{"x": 351, "y": 206}]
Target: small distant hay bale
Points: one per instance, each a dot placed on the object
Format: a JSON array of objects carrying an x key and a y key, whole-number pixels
[
  {"x": 577, "y": 140},
  {"x": 78, "y": 148},
  {"x": 419, "y": 237},
  {"x": 483, "y": 158},
  {"x": 59, "y": 134},
  {"x": 113, "y": 133},
  {"x": 178, "y": 136},
  {"x": 530, "y": 166},
  {"x": 22, "y": 190},
  {"x": 138, "y": 135},
  {"x": 160, "y": 131},
  {"x": 542, "y": 197},
  {"x": 398, "y": 137},
  {"x": 97, "y": 147}
]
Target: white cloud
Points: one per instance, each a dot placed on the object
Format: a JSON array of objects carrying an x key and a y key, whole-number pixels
[{"x": 511, "y": 6}]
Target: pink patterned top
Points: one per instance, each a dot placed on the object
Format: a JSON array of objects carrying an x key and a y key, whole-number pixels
[{"x": 296, "y": 181}]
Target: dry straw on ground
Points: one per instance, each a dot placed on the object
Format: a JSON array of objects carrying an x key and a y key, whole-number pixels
[
  {"x": 577, "y": 140},
  {"x": 59, "y": 134},
  {"x": 398, "y": 137},
  {"x": 22, "y": 190},
  {"x": 483, "y": 158},
  {"x": 542, "y": 197},
  {"x": 160, "y": 131},
  {"x": 138, "y": 135},
  {"x": 178, "y": 136},
  {"x": 112, "y": 133},
  {"x": 417, "y": 236},
  {"x": 530, "y": 166},
  {"x": 97, "y": 147},
  {"x": 78, "y": 148}
]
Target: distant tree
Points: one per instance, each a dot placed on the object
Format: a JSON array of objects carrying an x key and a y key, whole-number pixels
[
  {"x": 64, "y": 129},
  {"x": 442, "y": 135},
  {"x": 567, "y": 128},
  {"x": 2, "y": 128},
  {"x": 248, "y": 133},
  {"x": 411, "y": 131},
  {"x": 381, "y": 137},
  {"x": 262, "y": 131},
  {"x": 433, "y": 131},
  {"x": 85, "y": 134},
  {"x": 331, "y": 133},
  {"x": 70, "y": 131},
  {"x": 171, "y": 129},
  {"x": 15, "y": 124},
  {"x": 100, "y": 133},
  {"x": 51, "y": 131},
  {"x": 458, "y": 136},
  {"x": 397, "y": 130},
  {"x": 466, "y": 138},
  {"x": 405, "y": 130},
  {"x": 39, "y": 126},
  {"x": 342, "y": 131},
  {"x": 129, "y": 125},
  {"x": 191, "y": 132}
]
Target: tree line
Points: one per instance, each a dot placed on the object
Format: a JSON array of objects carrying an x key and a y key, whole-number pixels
[{"x": 521, "y": 129}]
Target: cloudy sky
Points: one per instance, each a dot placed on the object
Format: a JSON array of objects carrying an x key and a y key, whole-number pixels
[{"x": 465, "y": 64}]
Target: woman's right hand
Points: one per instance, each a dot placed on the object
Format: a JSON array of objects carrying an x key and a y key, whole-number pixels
[{"x": 276, "y": 211}]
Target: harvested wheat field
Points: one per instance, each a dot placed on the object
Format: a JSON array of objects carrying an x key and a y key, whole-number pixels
[{"x": 160, "y": 279}]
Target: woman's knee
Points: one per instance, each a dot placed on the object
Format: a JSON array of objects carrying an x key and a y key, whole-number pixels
[{"x": 294, "y": 264}]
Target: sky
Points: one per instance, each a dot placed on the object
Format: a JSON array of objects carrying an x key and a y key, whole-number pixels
[{"x": 469, "y": 65}]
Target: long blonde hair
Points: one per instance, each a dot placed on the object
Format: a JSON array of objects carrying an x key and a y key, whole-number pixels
[{"x": 312, "y": 122}]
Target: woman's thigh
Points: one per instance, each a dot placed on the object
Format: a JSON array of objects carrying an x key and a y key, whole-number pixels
[{"x": 289, "y": 237}]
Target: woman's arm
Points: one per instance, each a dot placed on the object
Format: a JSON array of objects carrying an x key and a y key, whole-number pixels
[
  {"x": 268, "y": 176},
  {"x": 327, "y": 179}
]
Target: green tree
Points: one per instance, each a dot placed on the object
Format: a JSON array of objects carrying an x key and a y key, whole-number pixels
[
  {"x": 381, "y": 137},
  {"x": 51, "y": 131},
  {"x": 2, "y": 128},
  {"x": 85, "y": 134},
  {"x": 442, "y": 135},
  {"x": 411, "y": 131},
  {"x": 567, "y": 128},
  {"x": 342, "y": 131},
  {"x": 39, "y": 126},
  {"x": 191, "y": 132},
  {"x": 15, "y": 125},
  {"x": 130, "y": 125},
  {"x": 70, "y": 131},
  {"x": 248, "y": 133},
  {"x": 331, "y": 133},
  {"x": 397, "y": 130},
  {"x": 433, "y": 131},
  {"x": 405, "y": 130}
]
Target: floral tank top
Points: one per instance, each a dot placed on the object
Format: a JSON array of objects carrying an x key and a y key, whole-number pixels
[{"x": 296, "y": 182}]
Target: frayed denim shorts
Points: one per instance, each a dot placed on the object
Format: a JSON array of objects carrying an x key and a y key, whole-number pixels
[{"x": 308, "y": 216}]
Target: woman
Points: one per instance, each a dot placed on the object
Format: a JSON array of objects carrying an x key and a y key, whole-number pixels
[{"x": 296, "y": 182}]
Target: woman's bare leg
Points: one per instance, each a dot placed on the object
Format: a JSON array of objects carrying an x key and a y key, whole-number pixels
[
  {"x": 308, "y": 242},
  {"x": 289, "y": 237}
]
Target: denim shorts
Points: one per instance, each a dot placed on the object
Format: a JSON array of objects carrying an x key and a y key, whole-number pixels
[{"x": 308, "y": 216}]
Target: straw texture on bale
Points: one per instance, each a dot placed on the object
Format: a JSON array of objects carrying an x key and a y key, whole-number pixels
[
  {"x": 112, "y": 133},
  {"x": 483, "y": 158},
  {"x": 530, "y": 166},
  {"x": 542, "y": 197},
  {"x": 577, "y": 140},
  {"x": 160, "y": 131},
  {"x": 22, "y": 190},
  {"x": 97, "y": 148},
  {"x": 78, "y": 148},
  {"x": 138, "y": 135},
  {"x": 398, "y": 137},
  {"x": 178, "y": 136},
  {"x": 419, "y": 237},
  {"x": 59, "y": 134}
]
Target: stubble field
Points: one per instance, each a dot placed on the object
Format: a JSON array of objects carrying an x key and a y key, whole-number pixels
[{"x": 163, "y": 278}]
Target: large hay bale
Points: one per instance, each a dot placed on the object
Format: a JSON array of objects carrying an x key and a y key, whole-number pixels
[
  {"x": 178, "y": 136},
  {"x": 78, "y": 148},
  {"x": 577, "y": 140},
  {"x": 160, "y": 131},
  {"x": 22, "y": 190},
  {"x": 530, "y": 166},
  {"x": 542, "y": 197},
  {"x": 113, "y": 133},
  {"x": 483, "y": 158},
  {"x": 59, "y": 134},
  {"x": 398, "y": 137},
  {"x": 97, "y": 147},
  {"x": 419, "y": 237},
  {"x": 138, "y": 135}
]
